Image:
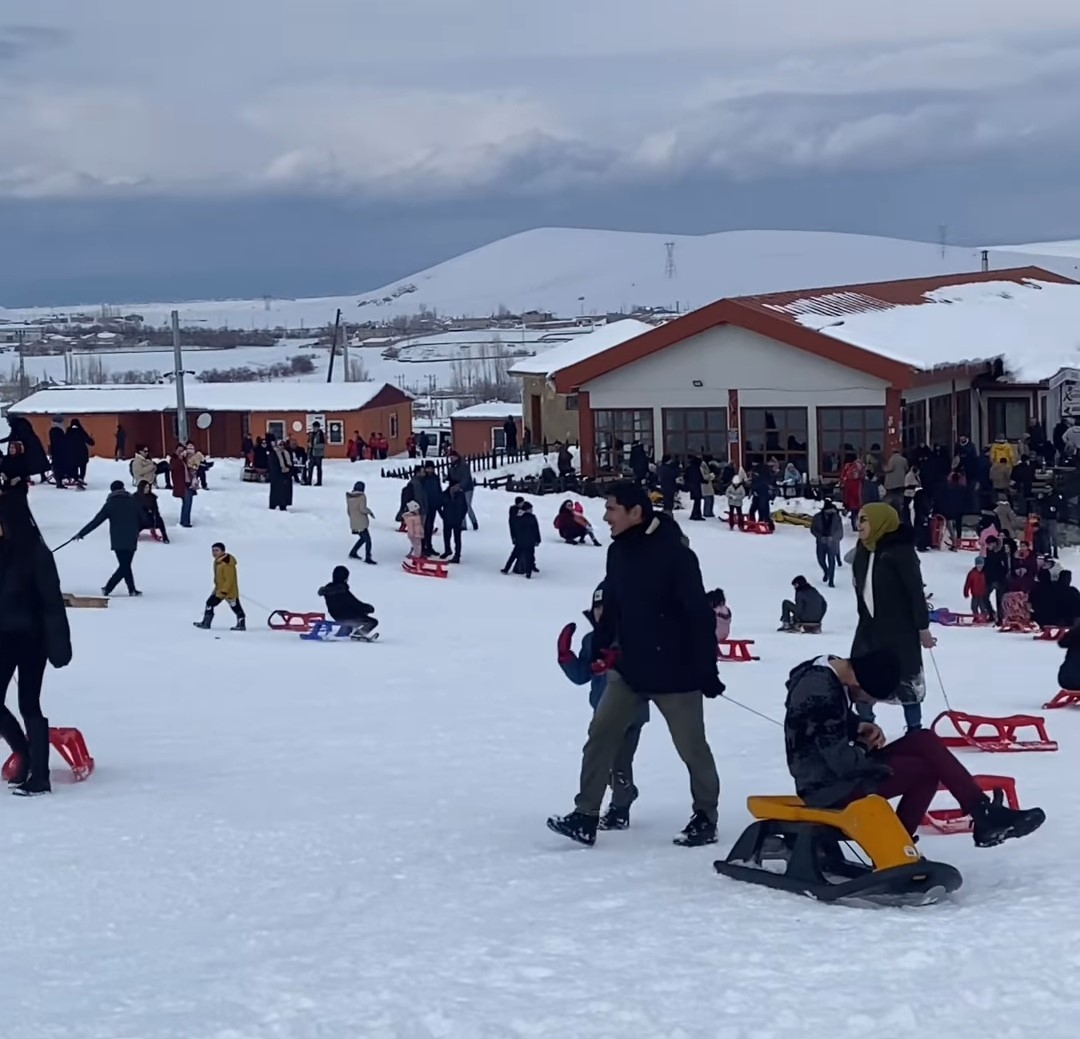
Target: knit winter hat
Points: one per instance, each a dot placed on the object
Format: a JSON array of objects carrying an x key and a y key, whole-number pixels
[
  {"x": 340, "y": 575},
  {"x": 358, "y": 487},
  {"x": 877, "y": 672},
  {"x": 882, "y": 519}
]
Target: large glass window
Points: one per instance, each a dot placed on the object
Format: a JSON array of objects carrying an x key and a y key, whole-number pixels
[
  {"x": 913, "y": 429},
  {"x": 963, "y": 414},
  {"x": 941, "y": 421},
  {"x": 698, "y": 430},
  {"x": 615, "y": 430},
  {"x": 1008, "y": 417},
  {"x": 848, "y": 431},
  {"x": 774, "y": 434}
]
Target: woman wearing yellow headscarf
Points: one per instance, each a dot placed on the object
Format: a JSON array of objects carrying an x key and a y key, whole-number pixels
[{"x": 891, "y": 602}]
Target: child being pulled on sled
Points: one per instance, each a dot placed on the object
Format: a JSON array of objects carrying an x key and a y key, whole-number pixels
[
  {"x": 720, "y": 608},
  {"x": 572, "y": 524},
  {"x": 977, "y": 589},
  {"x": 355, "y": 617},
  {"x": 414, "y": 529},
  {"x": 226, "y": 589},
  {"x": 580, "y": 668}
]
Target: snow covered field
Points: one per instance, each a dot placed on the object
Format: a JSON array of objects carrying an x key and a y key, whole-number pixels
[{"x": 287, "y": 840}]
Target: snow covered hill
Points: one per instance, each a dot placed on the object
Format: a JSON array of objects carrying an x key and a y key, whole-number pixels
[
  {"x": 293, "y": 840},
  {"x": 569, "y": 271}
]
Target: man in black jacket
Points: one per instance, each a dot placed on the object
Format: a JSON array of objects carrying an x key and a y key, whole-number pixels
[
  {"x": 356, "y": 618},
  {"x": 836, "y": 758},
  {"x": 125, "y": 520},
  {"x": 656, "y": 641},
  {"x": 430, "y": 503}
]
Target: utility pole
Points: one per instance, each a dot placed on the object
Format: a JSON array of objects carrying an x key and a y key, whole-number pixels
[
  {"x": 345, "y": 350},
  {"x": 24, "y": 390},
  {"x": 333, "y": 347},
  {"x": 178, "y": 372}
]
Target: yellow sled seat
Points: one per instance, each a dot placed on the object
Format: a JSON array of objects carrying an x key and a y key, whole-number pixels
[{"x": 870, "y": 822}]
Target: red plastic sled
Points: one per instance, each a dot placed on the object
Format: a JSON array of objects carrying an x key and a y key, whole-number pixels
[
  {"x": 1004, "y": 736},
  {"x": 1020, "y": 629},
  {"x": 756, "y": 527},
  {"x": 1063, "y": 698},
  {"x": 956, "y": 820},
  {"x": 70, "y": 745},
  {"x": 285, "y": 620},
  {"x": 737, "y": 650},
  {"x": 967, "y": 544},
  {"x": 1050, "y": 633},
  {"x": 424, "y": 567}
]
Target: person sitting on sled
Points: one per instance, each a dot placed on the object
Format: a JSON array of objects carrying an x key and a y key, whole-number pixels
[
  {"x": 578, "y": 667},
  {"x": 718, "y": 602},
  {"x": 355, "y": 617},
  {"x": 572, "y": 525},
  {"x": 835, "y": 758},
  {"x": 414, "y": 529},
  {"x": 226, "y": 589},
  {"x": 807, "y": 611}
]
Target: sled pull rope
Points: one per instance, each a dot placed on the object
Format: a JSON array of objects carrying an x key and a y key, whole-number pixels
[
  {"x": 751, "y": 710},
  {"x": 941, "y": 684}
]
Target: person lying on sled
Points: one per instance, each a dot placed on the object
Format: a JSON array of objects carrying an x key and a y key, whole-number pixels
[
  {"x": 354, "y": 616},
  {"x": 836, "y": 759}
]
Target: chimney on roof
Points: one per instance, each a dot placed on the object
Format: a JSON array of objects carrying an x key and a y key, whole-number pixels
[{"x": 985, "y": 260}]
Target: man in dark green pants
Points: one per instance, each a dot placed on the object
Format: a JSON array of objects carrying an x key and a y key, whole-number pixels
[{"x": 656, "y": 640}]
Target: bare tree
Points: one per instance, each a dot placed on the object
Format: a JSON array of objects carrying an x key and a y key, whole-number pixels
[{"x": 358, "y": 371}]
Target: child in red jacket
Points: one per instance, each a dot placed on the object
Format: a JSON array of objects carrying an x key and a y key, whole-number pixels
[{"x": 975, "y": 587}]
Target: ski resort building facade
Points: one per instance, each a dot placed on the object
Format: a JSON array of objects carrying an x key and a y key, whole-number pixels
[
  {"x": 481, "y": 428},
  {"x": 220, "y": 415},
  {"x": 810, "y": 375}
]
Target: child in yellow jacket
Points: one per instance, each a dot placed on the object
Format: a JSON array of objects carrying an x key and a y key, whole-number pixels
[{"x": 226, "y": 589}]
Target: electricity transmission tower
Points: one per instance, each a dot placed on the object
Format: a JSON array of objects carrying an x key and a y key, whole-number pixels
[{"x": 669, "y": 267}]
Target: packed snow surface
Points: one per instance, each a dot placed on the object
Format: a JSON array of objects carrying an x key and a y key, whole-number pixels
[
  {"x": 568, "y": 271},
  {"x": 1034, "y": 326},
  {"x": 287, "y": 840}
]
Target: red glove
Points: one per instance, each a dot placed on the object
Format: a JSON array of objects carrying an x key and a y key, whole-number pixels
[
  {"x": 608, "y": 659},
  {"x": 566, "y": 654}
]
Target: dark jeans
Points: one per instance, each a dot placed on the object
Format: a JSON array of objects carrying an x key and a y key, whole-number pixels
[
  {"x": 315, "y": 466},
  {"x": 759, "y": 510},
  {"x": 363, "y": 541},
  {"x": 695, "y": 509},
  {"x": 365, "y": 625},
  {"x": 919, "y": 762},
  {"x": 912, "y": 714},
  {"x": 429, "y": 528},
  {"x": 123, "y": 572},
  {"x": 451, "y": 534},
  {"x": 735, "y": 515},
  {"x": 526, "y": 558},
  {"x": 980, "y": 605},
  {"x": 213, "y": 602},
  {"x": 616, "y": 713},
  {"x": 707, "y": 505},
  {"x": 24, "y": 654},
  {"x": 826, "y": 558}
]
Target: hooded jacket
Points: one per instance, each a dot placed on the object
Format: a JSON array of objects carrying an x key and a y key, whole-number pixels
[
  {"x": 357, "y": 507},
  {"x": 226, "y": 581},
  {"x": 656, "y": 612},
  {"x": 810, "y": 605},
  {"x": 341, "y": 604},
  {"x": 819, "y": 732}
]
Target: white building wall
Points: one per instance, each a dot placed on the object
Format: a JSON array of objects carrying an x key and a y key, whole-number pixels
[{"x": 765, "y": 372}]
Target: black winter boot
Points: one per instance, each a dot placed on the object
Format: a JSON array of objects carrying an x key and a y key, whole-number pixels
[
  {"x": 615, "y": 818},
  {"x": 578, "y": 826},
  {"x": 701, "y": 830},
  {"x": 37, "y": 782},
  {"x": 996, "y": 822},
  {"x": 240, "y": 625},
  {"x": 207, "y": 619}
]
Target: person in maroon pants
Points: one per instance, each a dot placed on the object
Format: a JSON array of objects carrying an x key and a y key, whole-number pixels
[{"x": 836, "y": 758}]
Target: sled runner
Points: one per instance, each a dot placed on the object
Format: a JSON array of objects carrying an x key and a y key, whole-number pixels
[
  {"x": 1063, "y": 698},
  {"x": 1050, "y": 633},
  {"x": 737, "y": 650},
  {"x": 809, "y": 843},
  {"x": 966, "y": 620},
  {"x": 956, "y": 820},
  {"x": 285, "y": 620},
  {"x": 1020, "y": 628},
  {"x": 423, "y": 567},
  {"x": 325, "y": 630},
  {"x": 1003, "y": 739},
  {"x": 70, "y": 745}
]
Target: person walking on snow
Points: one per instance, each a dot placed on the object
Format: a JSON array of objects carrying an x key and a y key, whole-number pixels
[
  {"x": 316, "y": 453},
  {"x": 656, "y": 640},
  {"x": 356, "y": 618},
  {"x": 828, "y": 530},
  {"x": 454, "y": 510},
  {"x": 513, "y": 517},
  {"x": 528, "y": 537},
  {"x": 226, "y": 589},
  {"x": 578, "y": 667},
  {"x": 360, "y": 517},
  {"x": 125, "y": 521},
  {"x": 836, "y": 757},
  {"x": 33, "y": 632}
]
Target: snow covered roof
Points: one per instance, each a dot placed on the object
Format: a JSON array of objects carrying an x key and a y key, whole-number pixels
[
  {"x": 309, "y": 397},
  {"x": 1032, "y": 326},
  {"x": 492, "y": 409},
  {"x": 581, "y": 348}
]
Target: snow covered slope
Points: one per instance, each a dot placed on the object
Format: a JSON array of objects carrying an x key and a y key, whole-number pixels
[
  {"x": 287, "y": 840},
  {"x": 567, "y": 271}
]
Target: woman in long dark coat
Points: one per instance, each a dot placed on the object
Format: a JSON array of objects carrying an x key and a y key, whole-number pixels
[
  {"x": 33, "y": 632},
  {"x": 21, "y": 432},
  {"x": 891, "y": 602},
  {"x": 79, "y": 451},
  {"x": 279, "y": 464}
]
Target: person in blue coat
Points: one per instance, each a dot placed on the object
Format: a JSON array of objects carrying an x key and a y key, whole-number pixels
[{"x": 578, "y": 667}]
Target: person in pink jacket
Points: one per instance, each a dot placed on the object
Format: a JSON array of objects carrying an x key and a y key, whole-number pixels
[{"x": 414, "y": 528}]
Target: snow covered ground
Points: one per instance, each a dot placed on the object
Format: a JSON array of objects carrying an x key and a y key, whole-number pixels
[
  {"x": 287, "y": 840},
  {"x": 574, "y": 270}
]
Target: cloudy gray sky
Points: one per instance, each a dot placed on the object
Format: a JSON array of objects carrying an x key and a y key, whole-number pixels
[{"x": 224, "y": 147}]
